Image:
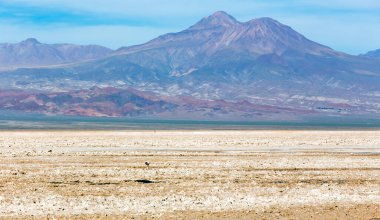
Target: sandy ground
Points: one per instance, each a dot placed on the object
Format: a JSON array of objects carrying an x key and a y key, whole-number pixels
[{"x": 193, "y": 174}]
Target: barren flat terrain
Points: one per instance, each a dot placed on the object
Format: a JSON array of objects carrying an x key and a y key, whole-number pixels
[{"x": 192, "y": 174}]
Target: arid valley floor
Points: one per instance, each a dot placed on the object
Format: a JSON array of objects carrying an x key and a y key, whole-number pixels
[{"x": 193, "y": 174}]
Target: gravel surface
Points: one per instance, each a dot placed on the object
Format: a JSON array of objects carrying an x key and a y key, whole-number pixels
[{"x": 191, "y": 174}]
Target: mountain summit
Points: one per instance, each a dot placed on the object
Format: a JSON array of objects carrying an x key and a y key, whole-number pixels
[
  {"x": 218, "y": 19},
  {"x": 30, "y": 41}
]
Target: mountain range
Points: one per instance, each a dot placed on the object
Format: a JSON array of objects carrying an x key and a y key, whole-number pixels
[
  {"x": 218, "y": 68},
  {"x": 32, "y": 53}
]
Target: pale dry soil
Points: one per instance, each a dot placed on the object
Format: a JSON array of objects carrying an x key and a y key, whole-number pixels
[{"x": 193, "y": 174}]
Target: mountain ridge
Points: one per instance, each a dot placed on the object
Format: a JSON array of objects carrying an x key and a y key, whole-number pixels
[{"x": 373, "y": 54}]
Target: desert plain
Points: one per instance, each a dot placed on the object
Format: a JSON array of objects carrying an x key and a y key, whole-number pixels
[{"x": 289, "y": 174}]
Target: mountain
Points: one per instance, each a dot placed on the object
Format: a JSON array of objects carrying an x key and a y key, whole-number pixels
[
  {"x": 220, "y": 33},
  {"x": 261, "y": 61},
  {"x": 219, "y": 44},
  {"x": 32, "y": 53},
  {"x": 373, "y": 54}
]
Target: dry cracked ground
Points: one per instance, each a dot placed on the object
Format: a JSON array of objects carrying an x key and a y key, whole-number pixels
[{"x": 192, "y": 174}]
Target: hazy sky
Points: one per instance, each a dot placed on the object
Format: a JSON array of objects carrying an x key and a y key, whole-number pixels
[{"x": 352, "y": 26}]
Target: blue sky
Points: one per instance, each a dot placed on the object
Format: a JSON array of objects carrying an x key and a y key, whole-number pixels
[{"x": 351, "y": 26}]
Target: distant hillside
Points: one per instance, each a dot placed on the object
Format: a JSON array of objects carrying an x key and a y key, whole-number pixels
[
  {"x": 114, "y": 102},
  {"x": 32, "y": 53}
]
